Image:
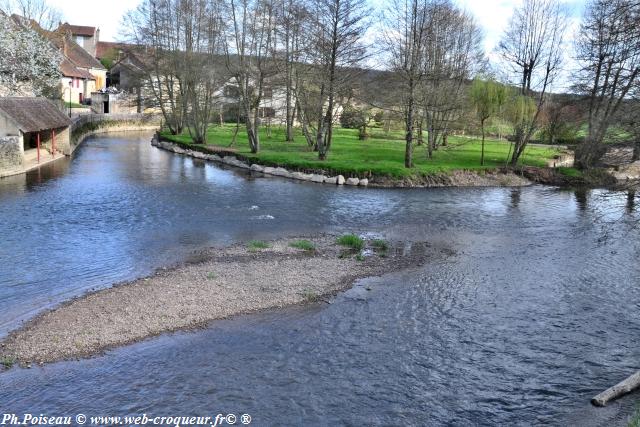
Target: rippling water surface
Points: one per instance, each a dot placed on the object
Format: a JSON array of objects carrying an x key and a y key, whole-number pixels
[{"x": 530, "y": 318}]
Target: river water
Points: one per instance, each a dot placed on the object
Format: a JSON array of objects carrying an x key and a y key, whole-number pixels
[{"x": 530, "y": 317}]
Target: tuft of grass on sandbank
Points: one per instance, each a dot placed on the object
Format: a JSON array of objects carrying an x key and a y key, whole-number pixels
[
  {"x": 7, "y": 362},
  {"x": 380, "y": 245},
  {"x": 255, "y": 245},
  {"x": 304, "y": 245},
  {"x": 351, "y": 241}
]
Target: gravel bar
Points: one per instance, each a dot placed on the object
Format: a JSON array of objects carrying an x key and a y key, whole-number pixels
[{"x": 218, "y": 283}]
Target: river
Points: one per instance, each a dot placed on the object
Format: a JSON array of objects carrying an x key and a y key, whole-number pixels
[{"x": 530, "y": 317}]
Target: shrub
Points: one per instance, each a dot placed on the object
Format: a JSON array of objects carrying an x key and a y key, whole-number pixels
[
  {"x": 305, "y": 245},
  {"x": 351, "y": 241},
  {"x": 310, "y": 296},
  {"x": 254, "y": 245},
  {"x": 380, "y": 245},
  {"x": 7, "y": 362}
]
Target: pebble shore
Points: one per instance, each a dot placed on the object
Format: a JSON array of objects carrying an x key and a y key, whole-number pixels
[{"x": 220, "y": 283}]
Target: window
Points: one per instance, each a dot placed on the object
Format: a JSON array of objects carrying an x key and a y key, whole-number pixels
[{"x": 267, "y": 93}]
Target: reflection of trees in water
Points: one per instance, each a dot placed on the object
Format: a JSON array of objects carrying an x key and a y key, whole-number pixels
[
  {"x": 582, "y": 199},
  {"x": 515, "y": 195},
  {"x": 631, "y": 201},
  {"x": 614, "y": 211}
]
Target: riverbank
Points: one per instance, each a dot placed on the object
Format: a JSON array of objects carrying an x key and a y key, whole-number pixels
[
  {"x": 81, "y": 128},
  {"x": 560, "y": 176},
  {"x": 380, "y": 158},
  {"x": 454, "y": 178},
  {"x": 94, "y": 124},
  {"x": 217, "y": 284}
]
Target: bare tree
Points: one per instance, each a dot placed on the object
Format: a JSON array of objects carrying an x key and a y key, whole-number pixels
[
  {"x": 404, "y": 40},
  {"x": 452, "y": 54},
  {"x": 250, "y": 50},
  {"x": 157, "y": 26},
  {"x": 47, "y": 16},
  {"x": 609, "y": 52},
  {"x": 532, "y": 48},
  {"x": 291, "y": 17},
  {"x": 332, "y": 48},
  {"x": 204, "y": 73},
  {"x": 561, "y": 120}
]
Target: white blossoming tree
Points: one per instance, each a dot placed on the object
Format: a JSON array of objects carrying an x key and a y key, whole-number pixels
[{"x": 30, "y": 63}]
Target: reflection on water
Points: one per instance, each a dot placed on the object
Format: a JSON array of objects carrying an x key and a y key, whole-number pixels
[
  {"x": 522, "y": 326},
  {"x": 631, "y": 201},
  {"x": 582, "y": 199}
]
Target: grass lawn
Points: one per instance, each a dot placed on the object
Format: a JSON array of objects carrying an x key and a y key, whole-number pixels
[{"x": 382, "y": 154}]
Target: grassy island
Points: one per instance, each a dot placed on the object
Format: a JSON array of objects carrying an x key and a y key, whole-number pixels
[{"x": 382, "y": 154}]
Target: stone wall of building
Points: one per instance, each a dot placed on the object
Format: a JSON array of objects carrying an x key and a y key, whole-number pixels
[{"x": 11, "y": 153}]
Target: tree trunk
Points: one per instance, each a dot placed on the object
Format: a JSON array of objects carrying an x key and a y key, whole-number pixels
[
  {"x": 518, "y": 146},
  {"x": 408, "y": 152},
  {"x": 430, "y": 141},
  {"x": 617, "y": 390},
  {"x": 482, "y": 150}
]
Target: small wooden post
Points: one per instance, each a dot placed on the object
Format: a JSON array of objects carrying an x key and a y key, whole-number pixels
[{"x": 38, "y": 143}]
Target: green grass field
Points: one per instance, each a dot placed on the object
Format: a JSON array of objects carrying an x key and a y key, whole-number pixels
[{"x": 381, "y": 155}]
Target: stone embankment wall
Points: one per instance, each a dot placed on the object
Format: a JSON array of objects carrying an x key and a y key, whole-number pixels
[
  {"x": 452, "y": 179},
  {"x": 85, "y": 126},
  {"x": 11, "y": 155},
  {"x": 282, "y": 172}
]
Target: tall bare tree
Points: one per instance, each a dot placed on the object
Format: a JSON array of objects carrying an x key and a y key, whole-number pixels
[
  {"x": 47, "y": 16},
  {"x": 609, "y": 53},
  {"x": 333, "y": 47},
  {"x": 157, "y": 26},
  {"x": 250, "y": 51},
  {"x": 452, "y": 55},
  {"x": 291, "y": 17},
  {"x": 532, "y": 48},
  {"x": 404, "y": 40},
  {"x": 204, "y": 72}
]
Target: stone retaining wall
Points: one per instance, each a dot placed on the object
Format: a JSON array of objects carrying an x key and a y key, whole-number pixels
[
  {"x": 282, "y": 172},
  {"x": 11, "y": 154},
  {"x": 85, "y": 126}
]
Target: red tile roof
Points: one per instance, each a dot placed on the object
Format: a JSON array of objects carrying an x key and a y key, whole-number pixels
[
  {"x": 69, "y": 70},
  {"x": 105, "y": 48},
  {"x": 70, "y": 49},
  {"x": 73, "y": 51},
  {"x": 78, "y": 30}
]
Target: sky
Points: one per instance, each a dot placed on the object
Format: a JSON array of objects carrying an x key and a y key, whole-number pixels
[
  {"x": 491, "y": 15},
  {"x": 107, "y": 15}
]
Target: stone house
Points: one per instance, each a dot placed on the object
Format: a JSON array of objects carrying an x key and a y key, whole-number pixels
[
  {"x": 93, "y": 75},
  {"x": 81, "y": 72},
  {"x": 86, "y": 37},
  {"x": 30, "y": 125}
]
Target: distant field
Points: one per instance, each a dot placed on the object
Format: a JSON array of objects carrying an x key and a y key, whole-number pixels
[{"x": 382, "y": 154}]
